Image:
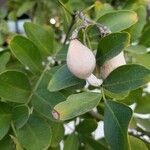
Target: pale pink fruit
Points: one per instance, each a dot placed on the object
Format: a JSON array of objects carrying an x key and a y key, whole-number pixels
[
  {"x": 80, "y": 59},
  {"x": 112, "y": 64}
]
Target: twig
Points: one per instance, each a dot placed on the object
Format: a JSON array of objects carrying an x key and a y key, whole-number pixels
[
  {"x": 69, "y": 29},
  {"x": 95, "y": 115},
  {"x": 87, "y": 22},
  {"x": 65, "y": 8},
  {"x": 136, "y": 134}
]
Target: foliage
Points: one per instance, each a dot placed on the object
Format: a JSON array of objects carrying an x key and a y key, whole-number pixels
[{"x": 38, "y": 93}]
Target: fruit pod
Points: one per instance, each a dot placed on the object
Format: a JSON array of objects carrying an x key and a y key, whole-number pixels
[
  {"x": 112, "y": 64},
  {"x": 81, "y": 62}
]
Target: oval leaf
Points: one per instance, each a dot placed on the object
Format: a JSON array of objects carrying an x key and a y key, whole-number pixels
[
  {"x": 116, "y": 119},
  {"x": 119, "y": 20},
  {"x": 62, "y": 79},
  {"x": 57, "y": 133},
  {"x": 35, "y": 135},
  {"x": 20, "y": 116},
  {"x": 43, "y": 38},
  {"x": 14, "y": 86},
  {"x": 43, "y": 100},
  {"x": 87, "y": 126},
  {"x": 77, "y": 104},
  {"x": 72, "y": 142},
  {"x": 111, "y": 45},
  {"x": 26, "y": 52},
  {"x": 126, "y": 78},
  {"x": 137, "y": 144},
  {"x": 5, "y": 119},
  {"x": 4, "y": 58}
]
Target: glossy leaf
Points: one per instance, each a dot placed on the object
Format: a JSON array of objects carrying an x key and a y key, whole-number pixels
[
  {"x": 94, "y": 144},
  {"x": 62, "y": 79},
  {"x": 143, "y": 59},
  {"x": 20, "y": 115},
  {"x": 144, "y": 39},
  {"x": 43, "y": 100},
  {"x": 5, "y": 119},
  {"x": 28, "y": 5},
  {"x": 64, "y": 1},
  {"x": 14, "y": 86},
  {"x": 102, "y": 9},
  {"x": 7, "y": 144},
  {"x": 86, "y": 126},
  {"x": 4, "y": 58},
  {"x": 72, "y": 142},
  {"x": 116, "y": 119},
  {"x": 77, "y": 104},
  {"x": 26, "y": 52},
  {"x": 36, "y": 134},
  {"x": 143, "y": 105},
  {"x": 133, "y": 97},
  {"x": 137, "y": 28},
  {"x": 137, "y": 144},
  {"x": 111, "y": 45},
  {"x": 43, "y": 38},
  {"x": 119, "y": 20},
  {"x": 62, "y": 53},
  {"x": 137, "y": 49},
  {"x": 126, "y": 78},
  {"x": 57, "y": 133}
]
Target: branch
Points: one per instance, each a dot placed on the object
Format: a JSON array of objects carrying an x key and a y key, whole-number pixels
[
  {"x": 136, "y": 134},
  {"x": 69, "y": 29},
  {"x": 95, "y": 115}
]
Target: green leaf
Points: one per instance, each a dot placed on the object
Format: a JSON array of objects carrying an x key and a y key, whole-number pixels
[
  {"x": 77, "y": 104},
  {"x": 93, "y": 144},
  {"x": 5, "y": 119},
  {"x": 117, "y": 96},
  {"x": 20, "y": 115},
  {"x": 62, "y": 53},
  {"x": 143, "y": 59},
  {"x": 16, "y": 142},
  {"x": 28, "y": 5},
  {"x": 144, "y": 39},
  {"x": 57, "y": 133},
  {"x": 144, "y": 124},
  {"x": 137, "y": 28},
  {"x": 116, "y": 119},
  {"x": 43, "y": 38},
  {"x": 134, "y": 4},
  {"x": 137, "y": 49},
  {"x": 86, "y": 126},
  {"x": 126, "y": 78},
  {"x": 133, "y": 97},
  {"x": 43, "y": 100},
  {"x": 14, "y": 86},
  {"x": 64, "y": 1},
  {"x": 143, "y": 104},
  {"x": 111, "y": 45},
  {"x": 7, "y": 144},
  {"x": 119, "y": 20},
  {"x": 62, "y": 79},
  {"x": 35, "y": 135},
  {"x": 26, "y": 52},
  {"x": 4, "y": 58},
  {"x": 102, "y": 9},
  {"x": 72, "y": 142},
  {"x": 137, "y": 144}
]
